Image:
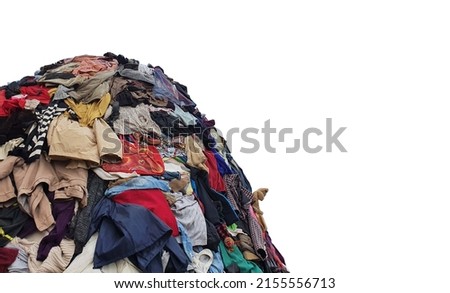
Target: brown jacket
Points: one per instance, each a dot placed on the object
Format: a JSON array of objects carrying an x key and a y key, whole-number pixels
[{"x": 29, "y": 180}]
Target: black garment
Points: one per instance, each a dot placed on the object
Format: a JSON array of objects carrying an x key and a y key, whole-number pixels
[
  {"x": 79, "y": 226},
  {"x": 58, "y": 75},
  {"x": 29, "y": 227},
  {"x": 166, "y": 122},
  {"x": 12, "y": 89},
  {"x": 48, "y": 67},
  {"x": 120, "y": 58},
  {"x": 125, "y": 98},
  {"x": 15, "y": 125},
  {"x": 209, "y": 197},
  {"x": 115, "y": 113},
  {"x": 12, "y": 220},
  {"x": 172, "y": 126},
  {"x": 212, "y": 237}
]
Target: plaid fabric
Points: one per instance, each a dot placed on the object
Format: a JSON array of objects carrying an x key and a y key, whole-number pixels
[{"x": 241, "y": 199}]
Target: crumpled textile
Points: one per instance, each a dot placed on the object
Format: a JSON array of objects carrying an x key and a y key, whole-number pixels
[
  {"x": 189, "y": 214},
  {"x": 133, "y": 231},
  {"x": 139, "y": 72},
  {"x": 63, "y": 212},
  {"x": 235, "y": 257},
  {"x": 15, "y": 125},
  {"x": 136, "y": 119},
  {"x": 241, "y": 199},
  {"x": 12, "y": 220},
  {"x": 87, "y": 113},
  {"x": 79, "y": 227},
  {"x": 7, "y": 257},
  {"x": 84, "y": 262},
  {"x": 165, "y": 89},
  {"x": 68, "y": 140},
  {"x": 8, "y": 146},
  {"x": 141, "y": 182},
  {"x": 93, "y": 88},
  {"x": 194, "y": 151},
  {"x": 57, "y": 260},
  {"x": 91, "y": 65},
  {"x": 30, "y": 179},
  {"x": 31, "y": 149},
  {"x": 153, "y": 200},
  {"x": 20, "y": 265}
]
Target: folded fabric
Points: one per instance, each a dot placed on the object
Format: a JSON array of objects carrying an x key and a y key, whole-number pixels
[
  {"x": 143, "y": 159},
  {"x": 84, "y": 262},
  {"x": 111, "y": 176},
  {"x": 136, "y": 119},
  {"x": 189, "y": 214},
  {"x": 8, "y": 146},
  {"x": 135, "y": 232},
  {"x": 58, "y": 259},
  {"x": 68, "y": 139},
  {"x": 141, "y": 182},
  {"x": 153, "y": 200}
]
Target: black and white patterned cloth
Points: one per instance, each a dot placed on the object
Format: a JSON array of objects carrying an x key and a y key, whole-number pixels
[{"x": 31, "y": 149}]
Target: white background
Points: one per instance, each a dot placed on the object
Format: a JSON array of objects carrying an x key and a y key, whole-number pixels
[{"x": 375, "y": 218}]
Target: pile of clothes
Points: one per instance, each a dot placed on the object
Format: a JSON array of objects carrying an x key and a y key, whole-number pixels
[{"x": 107, "y": 165}]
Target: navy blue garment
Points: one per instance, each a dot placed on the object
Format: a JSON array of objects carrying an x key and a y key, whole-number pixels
[
  {"x": 169, "y": 176},
  {"x": 135, "y": 232},
  {"x": 222, "y": 166},
  {"x": 212, "y": 199}
]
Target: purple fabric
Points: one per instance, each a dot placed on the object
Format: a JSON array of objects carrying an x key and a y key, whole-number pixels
[{"x": 63, "y": 212}]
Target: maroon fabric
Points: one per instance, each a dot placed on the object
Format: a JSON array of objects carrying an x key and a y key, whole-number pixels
[
  {"x": 7, "y": 257},
  {"x": 215, "y": 180},
  {"x": 153, "y": 200}
]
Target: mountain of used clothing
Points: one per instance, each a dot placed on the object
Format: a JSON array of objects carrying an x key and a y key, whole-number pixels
[{"x": 107, "y": 165}]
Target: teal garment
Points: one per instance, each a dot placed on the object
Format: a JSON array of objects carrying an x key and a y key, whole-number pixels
[{"x": 236, "y": 257}]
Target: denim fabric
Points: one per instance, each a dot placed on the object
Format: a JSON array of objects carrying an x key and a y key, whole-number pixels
[
  {"x": 141, "y": 182},
  {"x": 186, "y": 242},
  {"x": 217, "y": 264}
]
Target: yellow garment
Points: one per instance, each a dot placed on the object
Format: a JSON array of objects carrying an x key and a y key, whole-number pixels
[
  {"x": 52, "y": 91},
  {"x": 87, "y": 113}
]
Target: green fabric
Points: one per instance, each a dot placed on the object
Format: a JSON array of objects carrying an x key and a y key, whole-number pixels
[
  {"x": 236, "y": 257},
  {"x": 233, "y": 227}
]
